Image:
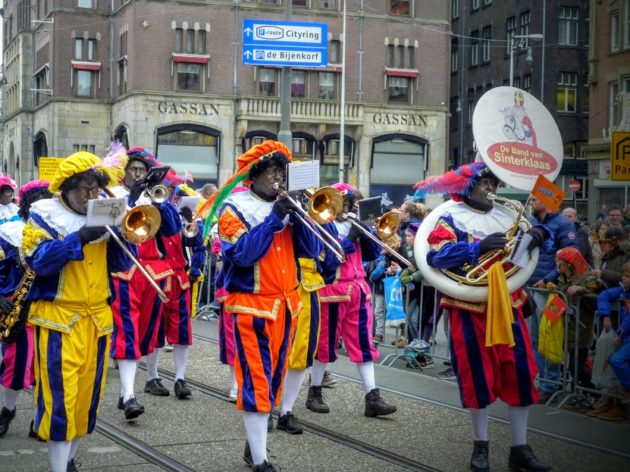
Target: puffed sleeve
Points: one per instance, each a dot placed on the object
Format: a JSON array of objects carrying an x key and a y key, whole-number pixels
[
  {"x": 445, "y": 251},
  {"x": 117, "y": 259}
]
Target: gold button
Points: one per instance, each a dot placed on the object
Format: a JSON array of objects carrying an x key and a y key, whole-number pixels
[
  {"x": 278, "y": 248},
  {"x": 90, "y": 262},
  {"x": 283, "y": 271}
]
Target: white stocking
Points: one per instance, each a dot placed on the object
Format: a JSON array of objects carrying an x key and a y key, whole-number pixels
[
  {"x": 10, "y": 398},
  {"x": 256, "y": 429},
  {"x": 479, "y": 418},
  {"x": 152, "y": 365},
  {"x": 233, "y": 379},
  {"x": 74, "y": 445},
  {"x": 518, "y": 424},
  {"x": 127, "y": 370},
  {"x": 59, "y": 452},
  {"x": 366, "y": 371},
  {"x": 292, "y": 384},
  {"x": 317, "y": 373},
  {"x": 180, "y": 355}
]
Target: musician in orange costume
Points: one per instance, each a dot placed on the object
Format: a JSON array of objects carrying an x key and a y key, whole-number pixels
[
  {"x": 486, "y": 368},
  {"x": 259, "y": 241}
]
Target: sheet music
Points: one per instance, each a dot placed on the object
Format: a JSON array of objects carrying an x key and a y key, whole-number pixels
[
  {"x": 106, "y": 211},
  {"x": 302, "y": 175}
]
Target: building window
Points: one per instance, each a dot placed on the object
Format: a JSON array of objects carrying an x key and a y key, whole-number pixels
[
  {"x": 91, "y": 50},
  {"x": 613, "y": 104},
  {"x": 123, "y": 43},
  {"x": 188, "y": 77},
  {"x": 454, "y": 55},
  {"x": 201, "y": 42},
  {"x": 474, "y": 48},
  {"x": 524, "y": 28},
  {"x": 566, "y": 92},
  {"x": 474, "y": 4},
  {"x": 190, "y": 40},
  {"x": 299, "y": 3},
  {"x": 488, "y": 86},
  {"x": 328, "y": 4},
  {"x": 327, "y": 86},
  {"x": 78, "y": 49},
  {"x": 41, "y": 84},
  {"x": 122, "y": 76},
  {"x": 411, "y": 57},
  {"x": 568, "y": 26},
  {"x": 267, "y": 82},
  {"x": 615, "y": 34},
  {"x": 626, "y": 22},
  {"x": 297, "y": 84},
  {"x": 83, "y": 147},
  {"x": 471, "y": 105},
  {"x": 485, "y": 46},
  {"x": 516, "y": 81},
  {"x": 85, "y": 87},
  {"x": 334, "y": 51},
  {"x": 398, "y": 89},
  {"x": 179, "y": 39},
  {"x": 454, "y": 9},
  {"x": 510, "y": 31},
  {"x": 487, "y": 2},
  {"x": 527, "y": 83},
  {"x": 390, "y": 56},
  {"x": 85, "y": 4},
  {"x": 399, "y": 7}
]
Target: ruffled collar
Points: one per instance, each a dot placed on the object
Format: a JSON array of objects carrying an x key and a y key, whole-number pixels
[
  {"x": 60, "y": 218},
  {"x": 480, "y": 224},
  {"x": 9, "y": 213},
  {"x": 11, "y": 232},
  {"x": 343, "y": 228},
  {"x": 253, "y": 208}
]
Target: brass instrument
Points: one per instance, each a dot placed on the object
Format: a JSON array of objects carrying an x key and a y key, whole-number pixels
[
  {"x": 12, "y": 323},
  {"x": 158, "y": 193},
  {"x": 323, "y": 206},
  {"x": 386, "y": 226},
  {"x": 478, "y": 274},
  {"x": 139, "y": 224}
]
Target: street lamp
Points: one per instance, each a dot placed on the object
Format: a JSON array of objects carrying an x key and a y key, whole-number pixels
[{"x": 520, "y": 44}]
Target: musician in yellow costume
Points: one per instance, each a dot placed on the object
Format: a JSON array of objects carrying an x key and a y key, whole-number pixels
[{"x": 70, "y": 303}]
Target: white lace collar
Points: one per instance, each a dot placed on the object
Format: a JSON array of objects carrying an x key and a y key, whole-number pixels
[
  {"x": 60, "y": 218},
  {"x": 11, "y": 232},
  {"x": 8, "y": 212},
  {"x": 253, "y": 209},
  {"x": 480, "y": 224}
]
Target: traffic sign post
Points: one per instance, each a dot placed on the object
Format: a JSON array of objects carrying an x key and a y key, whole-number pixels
[
  {"x": 285, "y": 43},
  {"x": 574, "y": 185},
  {"x": 620, "y": 155}
]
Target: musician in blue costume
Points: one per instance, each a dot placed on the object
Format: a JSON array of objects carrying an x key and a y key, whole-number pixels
[{"x": 487, "y": 367}]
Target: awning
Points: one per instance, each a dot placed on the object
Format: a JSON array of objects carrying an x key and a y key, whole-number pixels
[
  {"x": 191, "y": 58},
  {"x": 80, "y": 65},
  {"x": 411, "y": 73}
]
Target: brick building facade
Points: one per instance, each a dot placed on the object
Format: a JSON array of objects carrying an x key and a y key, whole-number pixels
[{"x": 169, "y": 76}]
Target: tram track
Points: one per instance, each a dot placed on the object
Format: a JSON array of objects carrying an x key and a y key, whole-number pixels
[
  {"x": 140, "y": 448},
  {"x": 433, "y": 401}
]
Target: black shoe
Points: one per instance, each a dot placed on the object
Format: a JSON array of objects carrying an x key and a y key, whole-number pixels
[
  {"x": 376, "y": 406},
  {"x": 247, "y": 455},
  {"x": 181, "y": 389},
  {"x": 265, "y": 467},
  {"x": 73, "y": 465},
  {"x": 133, "y": 409},
  {"x": 315, "y": 400},
  {"x": 270, "y": 423},
  {"x": 155, "y": 387},
  {"x": 289, "y": 423},
  {"x": 523, "y": 459},
  {"x": 479, "y": 459},
  {"x": 121, "y": 405},
  {"x": 32, "y": 433},
  {"x": 6, "y": 416}
]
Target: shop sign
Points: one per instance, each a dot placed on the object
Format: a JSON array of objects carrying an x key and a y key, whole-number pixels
[
  {"x": 184, "y": 108},
  {"x": 400, "y": 119}
]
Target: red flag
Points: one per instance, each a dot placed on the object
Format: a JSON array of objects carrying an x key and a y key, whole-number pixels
[
  {"x": 555, "y": 308},
  {"x": 548, "y": 193}
]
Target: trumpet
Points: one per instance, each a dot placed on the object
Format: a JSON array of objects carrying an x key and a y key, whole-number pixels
[
  {"x": 139, "y": 225},
  {"x": 386, "y": 226},
  {"x": 324, "y": 206},
  {"x": 158, "y": 193}
]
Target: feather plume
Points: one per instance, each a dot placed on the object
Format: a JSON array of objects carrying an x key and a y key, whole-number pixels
[
  {"x": 455, "y": 182},
  {"x": 114, "y": 163}
]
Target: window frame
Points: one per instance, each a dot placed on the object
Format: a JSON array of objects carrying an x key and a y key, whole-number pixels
[
  {"x": 406, "y": 97},
  {"x": 615, "y": 32},
  {"x": 567, "y": 83},
  {"x": 200, "y": 77},
  {"x": 92, "y": 89},
  {"x": 486, "y": 34},
  {"x": 332, "y": 75},
  {"x": 570, "y": 22},
  {"x": 260, "y": 88}
]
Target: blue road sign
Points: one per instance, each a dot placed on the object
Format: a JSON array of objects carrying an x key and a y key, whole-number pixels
[{"x": 285, "y": 43}]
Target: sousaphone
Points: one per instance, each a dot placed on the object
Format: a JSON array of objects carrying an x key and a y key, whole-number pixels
[{"x": 518, "y": 140}]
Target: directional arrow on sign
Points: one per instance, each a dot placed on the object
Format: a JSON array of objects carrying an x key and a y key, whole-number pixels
[
  {"x": 247, "y": 54},
  {"x": 248, "y": 31}
]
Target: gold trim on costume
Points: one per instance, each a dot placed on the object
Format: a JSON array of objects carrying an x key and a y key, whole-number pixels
[
  {"x": 253, "y": 311},
  {"x": 53, "y": 324},
  {"x": 256, "y": 278}
]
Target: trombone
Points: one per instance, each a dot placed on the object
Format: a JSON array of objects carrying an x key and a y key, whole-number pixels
[
  {"x": 386, "y": 226},
  {"x": 324, "y": 206},
  {"x": 139, "y": 224}
]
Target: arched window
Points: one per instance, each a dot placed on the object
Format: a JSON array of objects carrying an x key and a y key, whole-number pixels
[
  {"x": 190, "y": 148},
  {"x": 120, "y": 134},
  {"x": 40, "y": 147},
  {"x": 329, "y": 152},
  {"x": 252, "y": 138}
]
